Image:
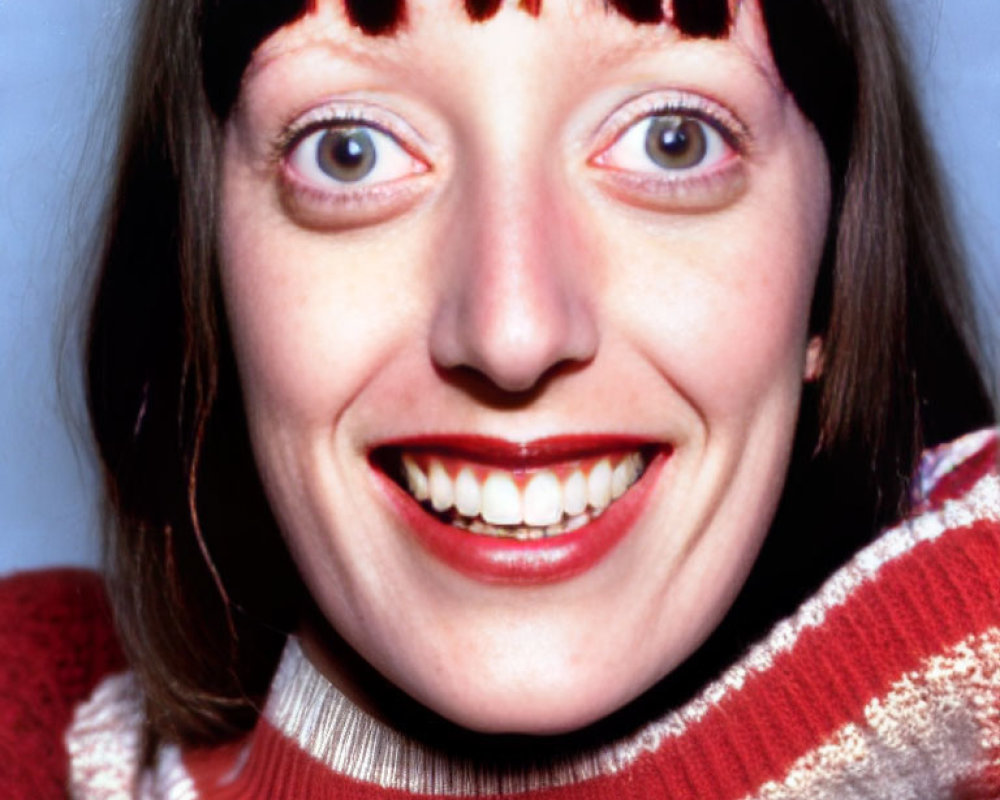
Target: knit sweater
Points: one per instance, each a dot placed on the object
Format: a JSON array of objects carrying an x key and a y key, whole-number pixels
[
  {"x": 56, "y": 644},
  {"x": 885, "y": 684}
]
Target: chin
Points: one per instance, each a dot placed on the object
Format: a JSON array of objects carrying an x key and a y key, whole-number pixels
[{"x": 548, "y": 711}]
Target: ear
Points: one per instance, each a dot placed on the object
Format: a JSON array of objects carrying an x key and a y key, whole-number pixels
[{"x": 814, "y": 359}]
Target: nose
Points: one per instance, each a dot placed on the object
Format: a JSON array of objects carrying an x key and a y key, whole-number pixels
[{"x": 514, "y": 302}]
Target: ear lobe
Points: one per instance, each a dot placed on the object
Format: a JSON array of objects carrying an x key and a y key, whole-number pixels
[{"x": 814, "y": 359}]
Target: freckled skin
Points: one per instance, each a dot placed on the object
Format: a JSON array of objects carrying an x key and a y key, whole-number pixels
[{"x": 504, "y": 276}]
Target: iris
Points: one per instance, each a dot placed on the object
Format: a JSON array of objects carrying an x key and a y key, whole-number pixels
[
  {"x": 675, "y": 142},
  {"x": 346, "y": 154}
]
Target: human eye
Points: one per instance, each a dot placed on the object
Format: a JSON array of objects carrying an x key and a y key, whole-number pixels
[
  {"x": 343, "y": 168},
  {"x": 669, "y": 142},
  {"x": 350, "y": 154},
  {"x": 674, "y": 152}
]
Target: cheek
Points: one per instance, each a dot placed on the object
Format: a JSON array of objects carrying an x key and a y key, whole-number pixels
[
  {"x": 752, "y": 320},
  {"x": 311, "y": 316},
  {"x": 721, "y": 303}
]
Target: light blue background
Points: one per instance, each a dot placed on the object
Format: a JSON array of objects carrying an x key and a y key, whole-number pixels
[{"x": 60, "y": 61}]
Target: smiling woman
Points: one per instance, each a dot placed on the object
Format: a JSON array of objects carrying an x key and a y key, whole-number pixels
[
  {"x": 548, "y": 251},
  {"x": 474, "y": 385}
]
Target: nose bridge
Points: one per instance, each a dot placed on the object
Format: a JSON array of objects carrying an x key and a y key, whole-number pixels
[
  {"x": 517, "y": 268},
  {"x": 514, "y": 304}
]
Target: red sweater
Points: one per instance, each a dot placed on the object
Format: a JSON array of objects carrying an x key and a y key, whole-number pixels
[
  {"x": 886, "y": 684},
  {"x": 56, "y": 644}
]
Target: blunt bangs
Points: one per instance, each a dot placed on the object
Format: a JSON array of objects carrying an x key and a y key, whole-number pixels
[{"x": 232, "y": 29}]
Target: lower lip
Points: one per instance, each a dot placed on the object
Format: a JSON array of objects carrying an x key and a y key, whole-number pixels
[{"x": 494, "y": 559}]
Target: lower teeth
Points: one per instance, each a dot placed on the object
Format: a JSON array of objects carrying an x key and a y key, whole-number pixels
[{"x": 522, "y": 533}]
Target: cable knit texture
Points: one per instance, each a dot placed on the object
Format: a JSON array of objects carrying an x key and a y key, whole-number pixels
[
  {"x": 886, "y": 684},
  {"x": 56, "y": 643}
]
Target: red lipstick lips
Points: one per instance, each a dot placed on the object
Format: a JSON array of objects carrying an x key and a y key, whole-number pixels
[{"x": 520, "y": 513}]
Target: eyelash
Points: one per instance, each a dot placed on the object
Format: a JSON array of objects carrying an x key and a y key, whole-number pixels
[
  {"x": 682, "y": 188},
  {"x": 392, "y": 141}
]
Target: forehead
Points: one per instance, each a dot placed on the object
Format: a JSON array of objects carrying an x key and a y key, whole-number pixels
[{"x": 233, "y": 30}]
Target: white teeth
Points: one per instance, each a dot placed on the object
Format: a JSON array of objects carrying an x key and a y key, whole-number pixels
[
  {"x": 415, "y": 479},
  {"x": 441, "y": 490},
  {"x": 599, "y": 485},
  {"x": 546, "y": 506},
  {"x": 543, "y": 501},
  {"x": 468, "y": 497},
  {"x": 576, "y": 522},
  {"x": 575, "y": 494},
  {"x": 501, "y": 500},
  {"x": 621, "y": 479}
]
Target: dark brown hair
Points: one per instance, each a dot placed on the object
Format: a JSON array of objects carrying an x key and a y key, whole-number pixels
[{"x": 204, "y": 589}]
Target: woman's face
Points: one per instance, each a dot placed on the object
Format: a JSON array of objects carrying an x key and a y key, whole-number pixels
[{"x": 485, "y": 278}]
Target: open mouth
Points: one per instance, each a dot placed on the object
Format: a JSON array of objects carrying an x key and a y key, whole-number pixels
[
  {"x": 503, "y": 511},
  {"x": 519, "y": 512},
  {"x": 522, "y": 503}
]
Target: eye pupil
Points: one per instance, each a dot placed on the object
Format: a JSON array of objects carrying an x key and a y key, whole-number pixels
[
  {"x": 346, "y": 154},
  {"x": 676, "y": 142}
]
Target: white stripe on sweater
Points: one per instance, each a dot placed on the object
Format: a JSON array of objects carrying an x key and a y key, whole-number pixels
[{"x": 327, "y": 726}]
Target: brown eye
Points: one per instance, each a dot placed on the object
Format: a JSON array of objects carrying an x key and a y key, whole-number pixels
[
  {"x": 341, "y": 155},
  {"x": 672, "y": 145},
  {"x": 346, "y": 154},
  {"x": 673, "y": 152},
  {"x": 675, "y": 142}
]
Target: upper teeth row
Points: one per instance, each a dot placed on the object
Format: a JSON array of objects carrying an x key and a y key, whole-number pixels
[{"x": 544, "y": 500}]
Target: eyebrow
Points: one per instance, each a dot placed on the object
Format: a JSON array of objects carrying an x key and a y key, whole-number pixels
[{"x": 692, "y": 17}]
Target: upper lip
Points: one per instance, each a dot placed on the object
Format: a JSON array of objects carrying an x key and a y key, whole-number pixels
[{"x": 507, "y": 454}]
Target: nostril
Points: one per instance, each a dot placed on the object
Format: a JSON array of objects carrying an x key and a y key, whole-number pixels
[{"x": 486, "y": 392}]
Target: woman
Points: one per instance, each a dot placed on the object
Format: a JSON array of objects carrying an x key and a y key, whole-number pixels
[{"x": 516, "y": 360}]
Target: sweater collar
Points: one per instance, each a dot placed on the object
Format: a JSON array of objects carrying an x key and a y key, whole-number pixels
[{"x": 327, "y": 726}]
